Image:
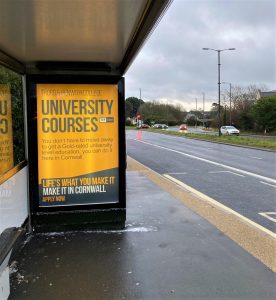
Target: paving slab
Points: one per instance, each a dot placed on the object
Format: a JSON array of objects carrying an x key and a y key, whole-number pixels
[{"x": 166, "y": 252}]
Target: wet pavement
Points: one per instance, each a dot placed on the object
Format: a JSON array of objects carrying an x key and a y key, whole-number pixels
[{"x": 165, "y": 252}]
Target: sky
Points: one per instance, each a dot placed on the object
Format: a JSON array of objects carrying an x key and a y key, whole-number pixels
[{"x": 172, "y": 67}]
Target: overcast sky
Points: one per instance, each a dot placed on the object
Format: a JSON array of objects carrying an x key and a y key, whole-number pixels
[{"x": 173, "y": 67}]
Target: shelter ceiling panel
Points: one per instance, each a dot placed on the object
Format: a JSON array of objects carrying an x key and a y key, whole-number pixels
[{"x": 68, "y": 30}]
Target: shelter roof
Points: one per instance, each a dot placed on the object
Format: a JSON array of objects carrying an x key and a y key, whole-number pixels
[{"x": 69, "y": 34}]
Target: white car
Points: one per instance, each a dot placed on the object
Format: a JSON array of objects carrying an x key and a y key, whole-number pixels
[
  {"x": 160, "y": 126},
  {"x": 229, "y": 130}
]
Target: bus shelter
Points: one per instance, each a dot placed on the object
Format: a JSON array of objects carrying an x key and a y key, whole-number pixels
[{"x": 62, "y": 139}]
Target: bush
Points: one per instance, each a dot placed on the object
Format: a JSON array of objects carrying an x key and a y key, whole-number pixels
[
  {"x": 264, "y": 112},
  {"x": 128, "y": 123}
]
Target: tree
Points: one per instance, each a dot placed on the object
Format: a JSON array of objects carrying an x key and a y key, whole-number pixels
[
  {"x": 264, "y": 112},
  {"x": 242, "y": 101},
  {"x": 157, "y": 112},
  {"x": 214, "y": 114},
  {"x": 128, "y": 109},
  {"x": 133, "y": 106}
]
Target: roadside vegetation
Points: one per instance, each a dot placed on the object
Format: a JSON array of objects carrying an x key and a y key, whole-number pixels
[
  {"x": 249, "y": 111},
  {"x": 234, "y": 140}
]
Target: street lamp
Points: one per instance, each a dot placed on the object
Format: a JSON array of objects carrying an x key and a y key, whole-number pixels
[
  {"x": 230, "y": 97},
  {"x": 167, "y": 112},
  {"x": 203, "y": 98},
  {"x": 218, "y": 51},
  {"x": 196, "y": 114}
]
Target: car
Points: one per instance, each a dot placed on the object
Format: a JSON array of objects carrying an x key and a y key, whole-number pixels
[
  {"x": 183, "y": 128},
  {"x": 145, "y": 126},
  {"x": 160, "y": 126},
  {"x": 229, "y": 130},
  {"x": 164, "y": 126}
]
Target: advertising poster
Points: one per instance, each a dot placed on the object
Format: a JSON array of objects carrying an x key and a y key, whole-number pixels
[
  {"x": 6, "y": 137},
  {"x": 78, "y": 161}
]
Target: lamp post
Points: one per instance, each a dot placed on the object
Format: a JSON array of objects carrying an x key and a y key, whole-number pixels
[
  {"x": 167, "y": 112},
  {"x": 203, "y": 98},
  {"x": 196, "y": 114},
  {"x": 230, "y": 97},
  {"x": 219, "y": 83}
]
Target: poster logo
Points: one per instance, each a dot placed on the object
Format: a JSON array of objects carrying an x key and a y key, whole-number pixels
[{"x": 78, "y": 161}]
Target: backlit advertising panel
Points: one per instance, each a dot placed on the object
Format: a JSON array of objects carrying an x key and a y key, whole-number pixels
[
  {"x": 77, "y": 130},
  {"x": 6, "y": 134}
]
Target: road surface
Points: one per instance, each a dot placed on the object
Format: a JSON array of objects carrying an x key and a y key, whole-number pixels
[{"x": 240, "y": 178}]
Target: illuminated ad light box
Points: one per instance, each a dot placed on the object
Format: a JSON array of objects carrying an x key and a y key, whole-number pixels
[
  {"x": 6, "y": 136},
  {"x": 77, "y": 128}
]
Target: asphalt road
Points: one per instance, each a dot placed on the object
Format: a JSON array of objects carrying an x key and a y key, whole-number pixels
[{"x": 242, "y": 179}]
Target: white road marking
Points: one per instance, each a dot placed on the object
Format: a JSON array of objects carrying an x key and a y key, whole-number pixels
[
  {"x": 212, "y": 162},
  {"x": 267, "y": 215},
  {"x": 268, "y": 184},
  {"x": 214, "y": 172},
  {"x": 218, "y": 204},
  {"x": 254, "y": 157},
  {"x": 178, "y": 173}
]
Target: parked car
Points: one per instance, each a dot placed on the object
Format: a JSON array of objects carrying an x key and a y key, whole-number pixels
[
  {"x": 164, "y": 126},
  {"x": 160, "y": 126},
  {"x": 145, "y": 126},
  {"x": 229, "y": 130},
  {"x": 183, "y": 128}
]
